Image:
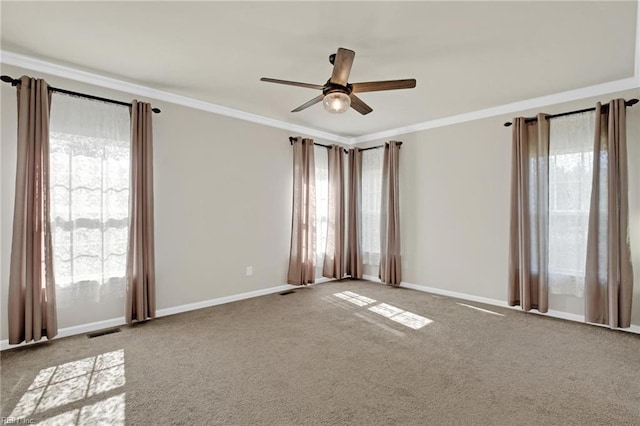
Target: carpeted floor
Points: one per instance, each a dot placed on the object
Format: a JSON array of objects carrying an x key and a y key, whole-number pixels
[{"x": 311, "y": 357}]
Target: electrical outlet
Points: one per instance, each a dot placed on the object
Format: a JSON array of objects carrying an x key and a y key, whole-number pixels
[{"x": 249, "y": 271}]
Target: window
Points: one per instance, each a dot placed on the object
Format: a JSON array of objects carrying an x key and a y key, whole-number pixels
[
  {"x": 371, "y": 204},
  {"x": 322, "y": 201},
  {"x": 570, "y": 175},
  {"x": 89, "y": 163}
]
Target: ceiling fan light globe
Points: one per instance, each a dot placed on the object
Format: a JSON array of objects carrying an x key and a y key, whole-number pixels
[{"x": 336, "y": 102}]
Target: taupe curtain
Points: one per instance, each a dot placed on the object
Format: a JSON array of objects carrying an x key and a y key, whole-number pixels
[
  {"x": 303, "y": 224},
  {"x": 32, "y": 299},
  {"x": 334, "y": 252},
  {"x": 354, "y": 257},
  {"x": 609, "y": 275},
  {"x": 528, "y": 250},
  {"x": 141, "y": 287},
  {"x": 390, "y": 261}
]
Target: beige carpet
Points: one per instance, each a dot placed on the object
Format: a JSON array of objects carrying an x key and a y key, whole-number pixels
[{"x": 314, "y": 358}]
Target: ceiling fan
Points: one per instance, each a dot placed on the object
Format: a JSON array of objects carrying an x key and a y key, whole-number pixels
[{"x": 337, "y": 93}]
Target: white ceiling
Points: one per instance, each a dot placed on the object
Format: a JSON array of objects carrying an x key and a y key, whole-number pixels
[{"x": 466, "y": 56}]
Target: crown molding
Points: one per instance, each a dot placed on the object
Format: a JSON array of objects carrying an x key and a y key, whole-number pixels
[
  {"x": 23, "y": 61},
  {"x": 534, "y": 103},
  {"x": 39, "y": 65}
]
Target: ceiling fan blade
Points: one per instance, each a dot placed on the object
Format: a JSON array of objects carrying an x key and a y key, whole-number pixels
[
  {"x": 308, "y": 104},
  {"x": 342, "y": 66},
  {"x": 359, "y": 105},
  {"x": 292, "y": 83},
  {"x": 374, "y": 86}
]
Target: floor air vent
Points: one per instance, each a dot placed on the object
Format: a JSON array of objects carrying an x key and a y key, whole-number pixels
[
  {"x": 103, "y": 332},
  {"x": 284, "y": 293}
]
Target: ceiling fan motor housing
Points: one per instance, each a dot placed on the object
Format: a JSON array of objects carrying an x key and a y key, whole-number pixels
[{"x": 330, "y": 87}]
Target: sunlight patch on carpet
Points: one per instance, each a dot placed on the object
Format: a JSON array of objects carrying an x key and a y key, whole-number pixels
[
  {"x": 379, "y": 324},
  {"x": 401, "y": 316},
  {"x": 480, "y": 309},
  {"x": 354, "y": 298},
  {"x": 74, "y": 381},
  {"x": 385, "y": 310},
  {"x": 406, "y": 318},
  {"x": 64, "y": 419}
]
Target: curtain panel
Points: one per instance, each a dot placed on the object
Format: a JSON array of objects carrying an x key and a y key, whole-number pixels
[
  {"x": 529, "y": 228},
  {"x": 303, "y": 223},
  {"x": 90, "y": 145},
  {"x": 570, "y": 176},
  {"x": 333, "y": 266},
  {"x": 390, "y": 260},
  {"x": 32, "y": 299},
  {"x": 321, "y": 170},
  {"x": 140, "y": 279},
  {"x": 354, "y": 266},
  {"x": 609, "y": 275}
]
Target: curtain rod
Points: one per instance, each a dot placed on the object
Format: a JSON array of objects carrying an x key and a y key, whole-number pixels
[
  {"x": 630, "y": 102},
  {"x": 375, "y": 147},
  {"x": 14, "y": 82},
  {"x": 291, "y": 139}
]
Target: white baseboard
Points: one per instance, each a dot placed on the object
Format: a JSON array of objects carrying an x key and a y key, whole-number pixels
[
  {"x": 322, "y": 280},
  {"x": 503, "y": 304},
  {"x": 220, "y": 300},
  {"x": 496, "y": 302},
  {"x": 70, "y": 331},
  {"x": 455, "y": 294},
  {"x": 115, "y": 322}
]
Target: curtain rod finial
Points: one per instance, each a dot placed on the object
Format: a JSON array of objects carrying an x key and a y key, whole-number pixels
[{"x": 8, "y": 79}]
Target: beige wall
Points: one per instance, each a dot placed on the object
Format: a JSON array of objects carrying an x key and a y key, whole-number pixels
[
  {"x": 223, "y": 202},
  {"x": 454, "y": 192}
]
